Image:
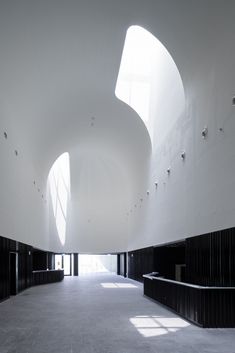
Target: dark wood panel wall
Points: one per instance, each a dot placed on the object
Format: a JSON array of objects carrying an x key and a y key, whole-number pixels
[
  {"x": 17, "y": 261},
  {"x": 75, "y": 264},
  {"x": 167, "y": 257},
  {"x": 44, "y": 277},
  {"x": 205, "y": 306},
  {"x": 210, "y": 259},
  {"x": 140, "y": 262},
  {"x": 121, "y": 264},
  {"x": 43, "y": 260},
  {"x": 24, "y": 267},
  {"x": 4, "y": 268},
  {"x": 11, "y": 271}
]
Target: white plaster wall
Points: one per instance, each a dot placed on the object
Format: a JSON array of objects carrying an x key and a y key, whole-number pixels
[
  {"x": 59, "y": 64},
  {"x": 23, "y": 211},
  {"x": 198, "y": 195}
]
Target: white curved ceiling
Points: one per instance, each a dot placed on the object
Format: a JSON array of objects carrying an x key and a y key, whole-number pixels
[{"x": 59, "y": 66}]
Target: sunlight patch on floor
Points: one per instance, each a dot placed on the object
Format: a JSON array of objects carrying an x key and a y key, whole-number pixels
[
  {"x": 151, "y": 326},
  {"x": 118, "y": 285}
]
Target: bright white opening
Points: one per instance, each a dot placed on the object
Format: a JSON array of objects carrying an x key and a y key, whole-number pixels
[
  {"x": 89, "y": 264},
  {"x": 151, "y": 326},
  {"x": 149, "y": 81},
  {"x": 63, "y": 261},
  {"x": 59, "y": 185},
  {"x": 133, "y": 84},
  {"x": 67, "y": 263},
  {"x": 58, "y": 262}
]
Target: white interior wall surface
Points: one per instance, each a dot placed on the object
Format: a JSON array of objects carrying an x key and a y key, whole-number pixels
[{"x": 59, "y": 63}]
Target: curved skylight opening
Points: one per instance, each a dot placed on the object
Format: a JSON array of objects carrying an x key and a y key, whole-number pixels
[
  {"x": 149, "y": 81},
  {"x": 59, "y": 185}
]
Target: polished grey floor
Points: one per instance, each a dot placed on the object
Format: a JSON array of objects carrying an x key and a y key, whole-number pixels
[{"x": 100, "y": 314}]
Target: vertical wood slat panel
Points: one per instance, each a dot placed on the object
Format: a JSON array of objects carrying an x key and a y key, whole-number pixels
[
  {"x": 210, "y": 259},
  {"x": 4, "y": 268},
  {"x": 140, "y": 262},
  {"x": 206, "y": 307}
]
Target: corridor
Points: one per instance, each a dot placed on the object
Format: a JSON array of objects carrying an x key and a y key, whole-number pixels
[{"x": 100, "y": 314}]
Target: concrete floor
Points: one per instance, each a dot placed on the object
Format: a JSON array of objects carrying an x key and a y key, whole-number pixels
[{"x": 100, "y": 314}]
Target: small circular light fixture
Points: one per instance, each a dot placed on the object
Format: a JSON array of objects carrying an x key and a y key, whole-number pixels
[
  {"x": 147, "y": 192},
  {"x": 183, "y": 155},
  {"x": 168, "y": 171},
  {"x": 5, "y": 134},
  {"x": 156, "y": 184},
  {"x": 204, "y": 132}
]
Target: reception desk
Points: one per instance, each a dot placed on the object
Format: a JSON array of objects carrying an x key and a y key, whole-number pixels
[
  {"x": 47, "y": 276},
  {"x": 204, "y": 306}
]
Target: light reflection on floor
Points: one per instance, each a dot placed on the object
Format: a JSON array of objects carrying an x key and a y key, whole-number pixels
[
  {"x": 151, "y": 326},
  {"x": 118, "y": 285}
]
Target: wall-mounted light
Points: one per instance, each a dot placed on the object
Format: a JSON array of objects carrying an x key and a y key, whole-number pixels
[
  {"x": 156, "y": 184},
  {"x": 5, "y": 134},
  {"x": 233, "y": 100},
  {"x": 168, "y": 171},
  {"x": 204, "y": 132},
  {"x": 147, "y": 192},
  {"x": 183, "y": 155}
]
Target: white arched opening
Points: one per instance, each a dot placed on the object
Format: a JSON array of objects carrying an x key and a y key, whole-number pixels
[
  {"x": 149, "y": 82},
  {"x": 59, "y": 187}
]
